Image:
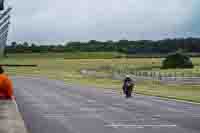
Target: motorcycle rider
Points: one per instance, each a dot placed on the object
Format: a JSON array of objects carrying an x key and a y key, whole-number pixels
[{"x": 128, "y": 86}]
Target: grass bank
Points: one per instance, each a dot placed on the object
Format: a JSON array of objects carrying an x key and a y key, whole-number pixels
[{"x": 57, "y": 66}]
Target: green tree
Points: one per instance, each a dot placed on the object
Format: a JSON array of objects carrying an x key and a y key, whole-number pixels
[{"x": 177, "y": 60}]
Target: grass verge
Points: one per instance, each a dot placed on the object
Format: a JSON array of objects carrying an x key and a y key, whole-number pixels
[{"x": 68, "y": 70}]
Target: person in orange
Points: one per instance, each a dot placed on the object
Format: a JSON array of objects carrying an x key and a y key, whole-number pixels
[{"x": 6, "y": 87}]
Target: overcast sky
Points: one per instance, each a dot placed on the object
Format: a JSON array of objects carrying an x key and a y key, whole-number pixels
[{"x": 52, "y": 21}]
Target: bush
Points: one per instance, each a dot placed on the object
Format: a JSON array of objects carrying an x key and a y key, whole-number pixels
[{"x": 177, "y": 60}]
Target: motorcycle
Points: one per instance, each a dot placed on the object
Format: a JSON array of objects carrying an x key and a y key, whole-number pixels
[{"x": 128, "y": 88}]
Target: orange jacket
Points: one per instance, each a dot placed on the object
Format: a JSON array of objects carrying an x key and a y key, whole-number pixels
[{"x": 6, "y": 88}]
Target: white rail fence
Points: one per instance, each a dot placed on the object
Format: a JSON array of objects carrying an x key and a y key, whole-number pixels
[{"x": 170, "y": 77}]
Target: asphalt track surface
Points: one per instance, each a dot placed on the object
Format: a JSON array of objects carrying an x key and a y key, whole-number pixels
[{"x": 50, "y": 106}]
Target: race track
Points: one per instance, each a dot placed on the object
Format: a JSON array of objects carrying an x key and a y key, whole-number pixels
[{"x": 50, "y": 106}]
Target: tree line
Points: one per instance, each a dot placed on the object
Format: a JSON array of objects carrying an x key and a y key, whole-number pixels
[{"x": 190, "y": 45}]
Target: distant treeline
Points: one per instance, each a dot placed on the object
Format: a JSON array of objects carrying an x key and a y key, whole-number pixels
[{"x": 190, "y": 45}]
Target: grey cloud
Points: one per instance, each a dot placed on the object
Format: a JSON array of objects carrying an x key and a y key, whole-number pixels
[{"x": 63, "y": 20}]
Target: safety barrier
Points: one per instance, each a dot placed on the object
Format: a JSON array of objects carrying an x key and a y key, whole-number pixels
[{"x": 10, "y": 118}]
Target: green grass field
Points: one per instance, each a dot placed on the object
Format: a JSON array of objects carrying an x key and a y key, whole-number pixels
[{"x": 67, "y": 67}]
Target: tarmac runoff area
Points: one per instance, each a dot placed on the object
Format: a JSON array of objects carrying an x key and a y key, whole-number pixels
[
  {"x": 10, "y": 118},
  {"x": 50, "y": 106}
]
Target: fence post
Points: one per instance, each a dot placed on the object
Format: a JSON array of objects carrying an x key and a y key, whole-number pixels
[
  {"x": 151, "y": 74},
  {"x": 169, "y": 76},
  {"x": 159, "y": 76},
  {"x": 183, "y": 74},
  {"x": 148, "y": 74},
  {"x": 142, "y": 74},
  {"x": 145, "y": 74},
  {"x": 174, "y": 75},
  {"x": 134, "y": 72},
  {"x": 119, "y": 71},
  {"x": 163, "y": 75}
]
